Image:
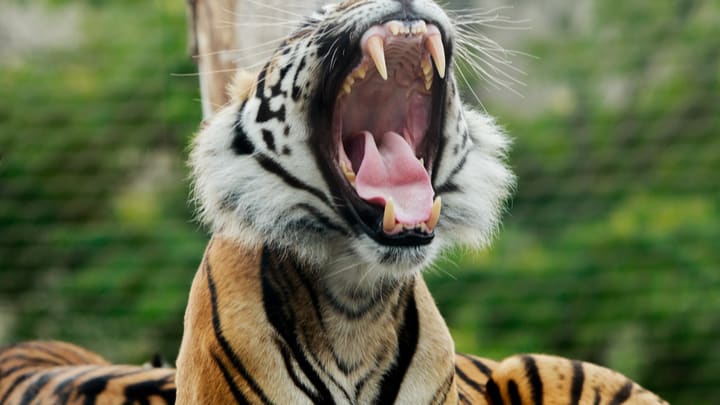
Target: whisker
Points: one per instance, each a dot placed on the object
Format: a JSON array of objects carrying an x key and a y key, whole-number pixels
[
  {"x": 196, "y": 74},
  {"x": 273, "y": 8},
  {"x": 472, "y": 90}
]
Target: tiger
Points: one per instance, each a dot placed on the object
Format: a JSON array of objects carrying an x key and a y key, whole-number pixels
[
  {"x": 51, "y": 372},
  {"x": 332, "y": 178}
]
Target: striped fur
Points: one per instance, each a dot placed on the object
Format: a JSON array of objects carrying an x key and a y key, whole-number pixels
[
  {"x": 262, "y": 329},
  {"x": 295, "y": 301},
  {"x": 49, "y": 373}
]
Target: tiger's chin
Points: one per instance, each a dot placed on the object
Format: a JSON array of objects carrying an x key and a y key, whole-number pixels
[{"x": 365, "y": 268}]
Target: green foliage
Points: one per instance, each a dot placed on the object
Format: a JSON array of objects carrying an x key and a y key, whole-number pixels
[
  {"x": 97, "y": 244},
  {"x": 610, "y": 250}
]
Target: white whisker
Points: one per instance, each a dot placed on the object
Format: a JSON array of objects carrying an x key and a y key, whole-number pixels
[{"x": 273, "y": 8}]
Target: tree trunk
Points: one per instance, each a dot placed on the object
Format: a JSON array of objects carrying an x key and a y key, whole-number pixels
[{"x": 225, "y": 35}]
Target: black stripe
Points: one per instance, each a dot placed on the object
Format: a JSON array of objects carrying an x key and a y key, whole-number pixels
[
  {"x": 442, "y": 391},
  {"x": 514, "y": 393},
  {"x": 269, "y": 139},
  {"x": 241, "y": 143},
  {"x": 350, "y": 312},
  {"x": 147, "y": 388},
  {"x": 322, "y": 218},
  {"x": 578, "y": 380},
  {"x": 479, "y": 364},
  {"x": 462, "y": 398},
  {"x": 27, "y": 362},
  {"x": 264, "y": 112},
  {"x": 295, "y": 88},
  {"x": 447, "y": 188},
  {"x": 64, "y": 388},
  {"x": 533, "y": 376},
  {"x": 234, "y": 389},
  {"x": 449, "y": 185},
  {"x": 32, "y": 390},
  {"x": 597, "y": 396},
  {"x": 94, "y": 387},
  {"x": 287, "y": 359},
  {"x": 45, "y": 348},
  {"x": 474, "y": 384},
  {"x": 623, "y": 394},
  {"x": 222, "y": 341},
  {"x": 14, "y": 384},
  {"x": 285, "y": 324},
  {"x": 273, "y": 167},
  {"x": 407, "y": 344},
  {"x": 493, "y": 393}
]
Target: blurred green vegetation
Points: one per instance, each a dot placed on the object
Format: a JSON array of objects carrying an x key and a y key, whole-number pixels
[{"x": 610, "y": 250}]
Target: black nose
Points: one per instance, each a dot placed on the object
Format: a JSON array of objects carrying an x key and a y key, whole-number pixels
[{"x": 407, "y": 12}]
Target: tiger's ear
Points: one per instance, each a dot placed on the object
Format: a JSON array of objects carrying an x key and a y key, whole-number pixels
[{"x": 242, "y": 86}]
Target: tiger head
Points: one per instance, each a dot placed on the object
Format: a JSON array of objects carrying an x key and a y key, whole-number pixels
[{"x": 351, "y": 148}]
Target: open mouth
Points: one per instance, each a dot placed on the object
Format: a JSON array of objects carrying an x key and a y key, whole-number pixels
[{"x": 386, "y": 131}]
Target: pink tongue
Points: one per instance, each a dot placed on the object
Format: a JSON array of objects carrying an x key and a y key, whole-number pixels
[{"x": 394, "y": 172}]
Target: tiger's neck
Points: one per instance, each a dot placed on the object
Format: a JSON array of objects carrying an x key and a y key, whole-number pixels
[{"x": 261, "y": 327}]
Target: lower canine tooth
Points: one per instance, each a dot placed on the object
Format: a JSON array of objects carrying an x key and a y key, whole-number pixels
[
  {"x": 426, "y": 67},
  {"x": 348, "y": 172},
  {"x": 434, "y": 214},
  {"x": 389, "y": 216}
]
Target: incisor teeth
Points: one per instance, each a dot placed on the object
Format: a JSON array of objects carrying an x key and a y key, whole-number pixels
[
  {"x": 428, "y": 81},
  {"x": 389, "y": 216},
  {"x": 394, "y": 27},
  {"x": 377, "y": 53},
  {"x": 435, "y": 46},
  {"x": 434, "y": 214}
]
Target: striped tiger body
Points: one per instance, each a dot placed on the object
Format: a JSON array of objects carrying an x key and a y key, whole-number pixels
[
  {"x": 323, "y": 182},
  {"x": 49, "y": 373}
]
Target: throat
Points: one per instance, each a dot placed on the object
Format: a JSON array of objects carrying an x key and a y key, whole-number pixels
[{"x": 347, "y": 329}]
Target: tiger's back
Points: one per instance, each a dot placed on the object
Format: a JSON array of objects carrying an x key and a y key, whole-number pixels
[{"x": 47, "y": 372}]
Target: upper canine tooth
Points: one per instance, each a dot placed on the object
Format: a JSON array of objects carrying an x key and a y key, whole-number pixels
[
  {"x": 434, "y": 214},
  {"x": 389, "y": 216},
  {"x": 434, "y": 45},
  {"x": 375, "y": 48}
]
